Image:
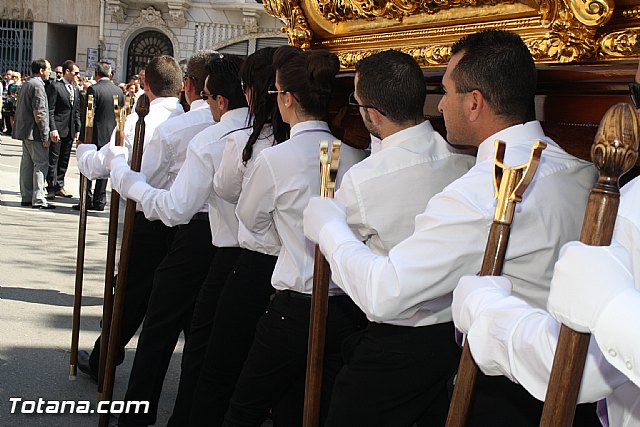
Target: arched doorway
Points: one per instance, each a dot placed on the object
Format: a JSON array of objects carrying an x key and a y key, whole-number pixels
[{"x": 145, "y": 46}]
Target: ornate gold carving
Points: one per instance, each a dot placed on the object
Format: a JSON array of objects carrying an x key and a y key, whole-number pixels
[
  {"x": 349, "y": 10},
  {"x": 296, "y": 23},
  {"x": 617, "y": 44}
]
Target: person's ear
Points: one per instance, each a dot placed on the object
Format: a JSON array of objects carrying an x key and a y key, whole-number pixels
[{"x": 475, "y": 105}]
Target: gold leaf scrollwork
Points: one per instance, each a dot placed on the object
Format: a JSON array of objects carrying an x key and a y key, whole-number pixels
[
  {"x": 592, "y": 13},
  {"x": 348, "y": 10},
  {"x": 296, "y": 26},
  {"x": 617, "y": 44},
  {"x": 426, "y": 56}
]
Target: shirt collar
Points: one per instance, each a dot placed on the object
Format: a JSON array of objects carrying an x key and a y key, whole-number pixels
[
  {"x": 235, "y": 114},
  {"x": 167, "y": 101},
  {"x": 417, "y": 131},
  {"x": 198, "y": 104},
  {"x": 515, "y": 135},
  {"x": 103, "y": 78},
  {"x": 308, "y": 125}
]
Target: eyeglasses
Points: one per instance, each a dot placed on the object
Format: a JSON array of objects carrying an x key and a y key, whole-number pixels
[
  {"x": 353, "y": 103},
  {"x": 205, "y": 96}
]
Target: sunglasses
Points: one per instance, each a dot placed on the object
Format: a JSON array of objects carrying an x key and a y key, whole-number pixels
[{"x": 204, "y": 95}]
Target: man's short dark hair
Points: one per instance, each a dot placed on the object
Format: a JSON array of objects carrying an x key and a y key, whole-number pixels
[
  {"x": 392, "y": 81},
  {"x": 500, "y": 66},
  {"x": 197, "y": 67},
  {"x": 163, "y": 76},
  {"x": 37, "y": 65},
  {"x": 103, "y": 69},
  {"x": 67, "y": 65},
  {"x": 224, "y": 79}
]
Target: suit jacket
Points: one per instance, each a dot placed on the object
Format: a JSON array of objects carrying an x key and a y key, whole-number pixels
[
  {"x": 104, "y": 118},
  {"x": 32, "y": 112},
  {"x": 63, "y": 115}
]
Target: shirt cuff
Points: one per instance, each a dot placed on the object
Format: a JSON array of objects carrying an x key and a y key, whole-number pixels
[
  {"x": 334, "y": 234},
  {"x": 137, "y": 190}
]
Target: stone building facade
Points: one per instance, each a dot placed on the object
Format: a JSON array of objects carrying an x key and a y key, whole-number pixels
[{"x": 127, "y": 33}]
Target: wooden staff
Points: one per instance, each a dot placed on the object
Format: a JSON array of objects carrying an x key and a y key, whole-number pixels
[
  {"x": 614, "y": 152},
  {"x": 112, "y": 241},
  {"x": 510, "y": 184},
  {"x": 82, "y": 236},
  {"x": 319, "y": 297},
  {"x": 142, "y": 109}
]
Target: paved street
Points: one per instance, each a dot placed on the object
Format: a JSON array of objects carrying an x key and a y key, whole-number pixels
[{"x": 37, "y": 276}]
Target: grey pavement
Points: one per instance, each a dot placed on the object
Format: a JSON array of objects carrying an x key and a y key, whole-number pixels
[{"x": 37, "y": 278}]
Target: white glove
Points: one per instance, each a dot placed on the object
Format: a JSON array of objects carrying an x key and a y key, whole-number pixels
[
  {"x": 123, "y": 179},
  {"x": 473, "y": 295},
  {"x": 320, "y": 213},
  {"x": 115, "y": 154},
  {"x": 585, "y": 280}
]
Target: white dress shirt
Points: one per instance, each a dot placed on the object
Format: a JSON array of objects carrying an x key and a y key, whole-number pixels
[
  {"x": 194, "y": 184},
  {"x": 284, "y": 177},
  {"x": 92, "y": 163},
  {"x": 414, "y": 282},
  {"x": 384, "y": 193},
  {"x": 168, "y": 147},
  {"x": 510, "y": 337},
  {"x": 232, "y": 176}
]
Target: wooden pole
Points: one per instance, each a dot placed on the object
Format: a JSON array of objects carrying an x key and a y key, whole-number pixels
[
  {"x": 614, "y": 152},
  {"x": 112, "y": 241},
  {"x": 142, "y": 109},
  {"x": 319, "y": 297},
  {"x": 82, "y": 236},
  {"x": 511, "y": 184}
]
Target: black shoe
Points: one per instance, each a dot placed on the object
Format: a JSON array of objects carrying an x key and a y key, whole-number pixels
[
  {"x": 43, "y": 207},
  {"x": 25, "y": 203},
  {"x": 85, "y": 366},
  {"x": 51, "y": 195},
  {"x": 75, "y": 207},
  {"x": 99, "y": 208}
]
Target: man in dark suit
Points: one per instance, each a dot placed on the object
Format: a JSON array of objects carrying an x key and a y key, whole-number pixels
[
  {"x": 64, "y": 120},
  {"x": 104, "y": 121}
]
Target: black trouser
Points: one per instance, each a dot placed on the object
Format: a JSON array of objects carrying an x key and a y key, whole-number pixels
[
  {"x": 59, "y": 154},
  {"x": 275, "y": 367},
  {"x": 150, "y": 243},
  {"x": 176, "y": 284},
  {"x": 227, "y": 264},
  {"x": 395, "y": 376},
  {"x": 204, "y": 395},
  {"x": 499, "y": 402}
]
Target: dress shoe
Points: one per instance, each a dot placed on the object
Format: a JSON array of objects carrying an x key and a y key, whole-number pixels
[
  {"x": 85, "y": 366},
  {"x": 75, "y": 207},
  {"x": 25, "y": 203},
  {"x": 48, "y": 207},
  {"x": 51, "y": 195},
  {"x": 98, "y": 208},
  {"x": 62, "y": 193}
]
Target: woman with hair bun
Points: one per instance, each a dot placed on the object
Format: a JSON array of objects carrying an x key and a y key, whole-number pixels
[
  {"x": 247, "y": 290},
  {"x": 283, "y": 179}
]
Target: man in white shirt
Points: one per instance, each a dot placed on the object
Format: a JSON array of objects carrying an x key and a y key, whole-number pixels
[
  {"x": 382, "y": 195},
  {"x": 151, "y": 239},
  {"x": 172, "y": 301},
  {"x": 594, "y": 290},
  {"x": 489, "y": 85}
]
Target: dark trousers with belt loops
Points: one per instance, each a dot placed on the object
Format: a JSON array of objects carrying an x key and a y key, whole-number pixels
[
  {"x": 151, "y": 241},
  {"x": 176, "y": 285},
  {"x": 243, "y": 301},
  {"x": 274, "y": 372},
  {"x": 207, "y": 305}
]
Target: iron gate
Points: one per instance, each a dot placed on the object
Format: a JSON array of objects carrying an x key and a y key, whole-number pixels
[
  {"x": 16, "y": 45},
  {"x": 144, "y": 47}
]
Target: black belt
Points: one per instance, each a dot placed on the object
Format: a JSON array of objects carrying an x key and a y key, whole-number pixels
[
  {"x": 200, "y": 216},
  {"x": 294, "y": 295}
]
